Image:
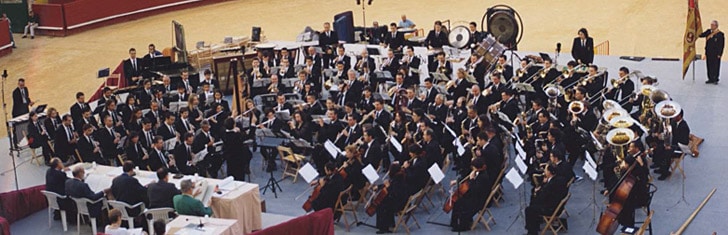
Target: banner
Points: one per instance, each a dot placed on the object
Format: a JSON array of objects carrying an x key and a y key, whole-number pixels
[{"x": 692, "y": 28}]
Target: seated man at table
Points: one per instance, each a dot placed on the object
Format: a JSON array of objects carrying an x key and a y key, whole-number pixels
[
  {"x": 161, "y": 193},
  {"x": 56, "y": 182},
  {"x": 76, "y": 188},
  {"x": 126, "y": 188},
  {"x": 186, "y": 204}
]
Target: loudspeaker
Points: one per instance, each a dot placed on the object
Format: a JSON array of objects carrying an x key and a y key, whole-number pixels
[
  {"x": 256, "y": 34},
  {"x": 344, "y": 26}
]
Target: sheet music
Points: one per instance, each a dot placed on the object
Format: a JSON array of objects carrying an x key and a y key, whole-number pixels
[
  {"x": 590, "y": 160},
  {"x": 590, "y": 171},
  {"x": 460, "y": 148},
  {"x": 436, "y": 173},
  {"x": 521, "y": 166},
  {"x": 370, "y": 173},
  {"x": 451, "y": 131},
  {"x": 521, "y": 152},
  {"x": 227, "y": 184},
  {"x": 308, "y": 173},
  {"x": 395, "y": 144},
  {"x": 207, "y": 191},
  {"x": 199, "y": 156},
  {"x": 170, "y": 143},
  {"x": 120, "y": 145},
  {"x": 513, "y": 177},
  {"x": 332, "y": 149}
]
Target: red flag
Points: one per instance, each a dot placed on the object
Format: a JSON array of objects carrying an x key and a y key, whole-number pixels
[{"x": 693, "y": 28}]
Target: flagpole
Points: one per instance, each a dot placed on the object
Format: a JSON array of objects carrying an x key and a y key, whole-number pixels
[{"x": 694, "y": 69}]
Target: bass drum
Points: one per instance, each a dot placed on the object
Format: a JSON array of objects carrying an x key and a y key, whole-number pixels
[
  {"x": 459, "y": 37},
  {"x": 489, "y": 49}
]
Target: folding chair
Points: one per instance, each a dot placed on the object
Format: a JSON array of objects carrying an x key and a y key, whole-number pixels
[
  {"x": 423, "y": 195},
  {"x": 291, "y": 161},
  {"x": 349, "y": 207},
  {"x": 34, "y": 158},
  {"x": 78, "y": 155},
  {"x": 568, "y": 185},
  {"x": 646, "y": 224},
  {"x": 498, "y": 187},
  {"x": 122, "y": 207},
  {"x": 82, "y": 208},
  {"x": 158, "y": 213},
  {"x": 52, "y": 199},
  {"x": 554, "y": 218},
  {"x": 677, "y": 164},
  {"x": 405, "y": 214},
  {"x": 479, "y": 218}
]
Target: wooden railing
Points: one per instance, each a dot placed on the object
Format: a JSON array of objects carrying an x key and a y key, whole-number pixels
[{"x": 602, "y": 48}]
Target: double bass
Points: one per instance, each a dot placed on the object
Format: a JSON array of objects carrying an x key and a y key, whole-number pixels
[
  {"x": 463, "y": 187},
  {"x": 308, "y": 205},
  {"x": 608, "y": 221}
]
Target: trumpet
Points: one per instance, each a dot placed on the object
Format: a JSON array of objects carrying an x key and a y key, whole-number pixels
[
  {"x": 499, "y": 68},
  {"x": 493, "y": 108},
  {"x": 541, "y": 74},
  {"x": 385, "y": 63},
  {"x": 405, "y": 59},
  {"x": 618, "y": 82}
]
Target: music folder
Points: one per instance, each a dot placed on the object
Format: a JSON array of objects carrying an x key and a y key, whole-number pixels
[
  {"x": 40, "y": 108},
  {"x": 436, "y": 173},
  {"x": 370, "y": 173},
  {"x": 283, "y": 115},
  {"x": 308, "y": 173},
  {"x": 439, "y": 77},
  {"x": 523, "y": 87},
  {"x": 513, "y": 177}
]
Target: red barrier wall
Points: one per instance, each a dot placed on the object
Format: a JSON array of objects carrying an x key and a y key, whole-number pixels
[
  {"x": 51, "y": 15},
  {"x": 81, "y": 11},
  {"x": 5, "y": 38}
]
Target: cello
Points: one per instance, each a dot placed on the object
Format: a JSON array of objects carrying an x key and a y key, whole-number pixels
[
  {"x": 463, "y": 187},
  {"x": 608, "y": 221},
  {"x": 308, "y": 205}
]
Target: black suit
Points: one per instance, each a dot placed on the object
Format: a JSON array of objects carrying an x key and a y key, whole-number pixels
[
  {"x": 78, "y": 189},
  {"x": 460, "y": 89},
  {"x": 510, "y": 108},
  {"x": 481, "y": 104},
  {"x": 471, "y": 202},
  {"x": 328, "y": 40},
  {"x": 127, "y": 189},
  {"x": 86, "y": 149},
  {"x": 583, "y": 51},
  {"x": 544, "y": 202},
  {"x": 21, "y": 100},
  {"x": 395, "y": 42},
  {"x": 354, "y": 134},
  {"x": 166, "y": 132},
  {"x": 106, "y": 142},
  {"x": 160, "y": 194},
  {"x": 182, "y": 156},
  {"x": 157, "y": 160},
  {"x": 373, "y": 154},
  {"x": 436, "y": 39},
  {"x": 135, "y": 154},
  {"x": 39, "y": 140},
  {"x": 56, "y": 181},
  {"x": 132, "y": 69},
  {"x": 416, "y": 175},
  {"x": 433, "y": 153},
  {"x": 237, "y": 155},
  {"x": 145, "y": 98},
  {"x": 77, "y": 110},
  {"x": 63, "y": 146},
  {"x": 155, "y": 118},
  {"x": 713, "y": 51},
  {"x": 329, "y": 193}
]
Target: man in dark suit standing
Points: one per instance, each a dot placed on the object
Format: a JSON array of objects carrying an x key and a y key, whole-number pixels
[
  {"x": 436, "y": 38},
  {"x": 393, "y": 39},
  {"x": 132, "y": 68},
  {"x": 328, "y": 37},
  {"x": 583, "y": 48},
  {"x": 76, "y": 188},
  {"x": 21, "y": 99},
  {"x": 127, "y": 189},
  {"x": 78, "y": 107},
  {"x": 373, "y": 151},
  {"x": 714, "y": 42},
  {"x": 160, "y": 194},
  {"x": 65, "y": 139}
]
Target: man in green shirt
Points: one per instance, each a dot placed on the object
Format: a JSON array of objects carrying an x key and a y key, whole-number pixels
[{"x": 186, "y": 204}]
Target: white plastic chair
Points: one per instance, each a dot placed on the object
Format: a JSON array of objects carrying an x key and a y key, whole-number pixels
[
  {"x": 122, "y": 207},
  {"x": 158, "y": 213},
  {"x": 82, "y": 208},
  {"x": 52, "y": 199}
]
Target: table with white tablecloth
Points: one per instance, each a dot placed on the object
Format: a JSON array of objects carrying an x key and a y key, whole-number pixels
[
  {"x": 184, "y": 224},
  {"x": 241, "y": 202}
]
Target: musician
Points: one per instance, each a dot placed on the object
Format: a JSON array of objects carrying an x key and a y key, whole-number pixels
[
  {"x": 475, "y": 35},
  {"x": 108, "y": 139},
  {"x": 390, "y": 63},
  {"x": 474, "y": 199},
  {"x": 214, "y": 84},
  {"x": 132, "y": 68},
  {"x": 526, "y": 70},
  {"x": 415, "y": 169},
  {"x": 311, "y": 72},
  {"x": 495, "y": 88},
  {"x": 300, "y": 126},
  {"x": 282, "y": 105},
  {"x": 572, "y": 76},
  {"x": 235, "y": 152},
  {"x": 195, "y": 114},
  {"x": 411, "y": 63},
  {"x": 639, "y": 195},
  {"x": 587, "y": 119},
  {"x": 459, "y": 86},
  {"x": 406, "y": 23},
  {"x": 21, "y": 99},
  {"x": 341, "y": 57},
  {"x": 563, "y": 169},
  {"x": 183, "y": 124},
  {"x": 354, "y": 85},
  {"x": 283, "y": 56},
  {"x": 430, "y": 92},
  {"x": 316, "y": 58},
  {"x": 412, "y": 102},
  {"x": 436, "y": 38},
  {"x": 479, "y": 101},
  {"x": 275, "y": 125},
  {"x": 266, "y": 63},
  {"x": 312, "y": 106},
  {"x": 396, "y": 199},
  {"x": 398, "y": 129},
  {"x": 89, "y": 150},
  {"x": 126, "y": 110},
  {"x": 437, "y": 111},
  {"x": 433, "y": 152},
  {"x": 366, "y": 104},
  {"x": 393, "y": 39},
  {"x": 365, "y": 61},
  {"x": 330, "y": 187},
  {"x": 680, "y": 133},
  {"x": 351, "y": 166},
  {"x": 491, "y": 152},
  {"x": 544, "y": 199},
  {"x": 135, "y": 151},
  {"x": 153, "y": 53},
  {"x": 714, "y": 43},
  {"x": 168, "y": 130},
  {"x": 597, "y": 81},
  {"x": 582, "y": 50},
  {"x": 286, "y": 70},
  {"x": 441, "y": 65},
  {"x": 205, "y": 140},
  {"x": 38, "y": 136},
  {"x": 166, "y": 86},
  {"x": 625, "y": 89},
  {"x": 158, "y": 159},
  {"x": 509, "y": 104},
  {"x": 255, "y": 72},
  {"x": 135, "y": 123},
  {"x": 85, "y": 118},
  {"x": 327, "y": 130},
  {"x": 506, "y": 69},
  {"x": 78, "y": 107},
  {"x": 373, "y": 150},
  {"x": 477, "y": 69},
  {"x": 65, "y": 138},
  {"x": 328, "y": 37},
  {"x": 183, "y": 153},
  {"x": 351, "y": 133}
]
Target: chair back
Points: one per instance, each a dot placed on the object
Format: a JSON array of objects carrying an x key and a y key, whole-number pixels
[
  {"x": 412, "y": 202},
  {"x": 500, "y": 176},
  {"x": 123, "y": 206},
  {"x": 560, "y": 208},
  {"x": 157, "y": 213},
  {"x": 52, "y": 199},
  {"x": 82, "y": 204},
  {"x": 645, "y": 224},
  {"x": 491, "y": 195}
]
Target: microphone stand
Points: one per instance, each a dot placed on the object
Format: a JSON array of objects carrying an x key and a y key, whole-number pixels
[{"x": 13, "y": 148}]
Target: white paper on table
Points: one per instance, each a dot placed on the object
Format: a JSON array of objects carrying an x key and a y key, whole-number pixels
[
  {"x": 395, "y": 143},
  {"x": 591, "y": 171},
  {"x": 332, "y": 149},
  {"x": 370, "y": 173},
  {"x": 590, "y": 160},
  {"x": 460, "y": 148},
  {"x": 145, "y": 180},
  {"x": 521, "y": 166},
  {"x": 136, "y": 231},
  {"x": 308, "y": 173},
  {"x": 513, "y": 177},
  {"x": 227, "y": 184},
  {"x": 436, "y": 173},
  {"x": 98, "y": 182},
  {"x": 115, "y": 172},
  {"x": 521, "y": 153},
  {"x": 207, "y": 192},
  {"x": 451, "y": 131}
]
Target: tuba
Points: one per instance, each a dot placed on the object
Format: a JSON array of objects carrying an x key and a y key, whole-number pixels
[{"x": 576, "y": 107}]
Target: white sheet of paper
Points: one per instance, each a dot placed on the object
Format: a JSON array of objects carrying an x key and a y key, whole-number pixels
[
  {"x": 115, "y": 172},
  {"x": 92, "y": 106},
  {"x": 227, "y": 184},
  {"x": 436, "y": 173},
  {"x": 451, "y": 132},
  {"x": 590, "y": 160},
  {"x": 460, "y": 148},
  {"x": 332, "y": 149},
  {"x": 521, "y": 152},
  {"x": 98, "y": 182},
  {"x": 308, "y": 173},
  {"x": 594, "y": 139},
  {"x": 145, "y": 180},
  {"x": 395, "y": 143},
  {"x": 521, "y": 166},
  {"x": 370, "y": 173},
  {"x": 513, "y": 177},
  {"x": 592, "y": 172},
  {"x": 200, "y": 156},
  {"x": 122, "y": 141},
  {"x": 170, "y": 143}
]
